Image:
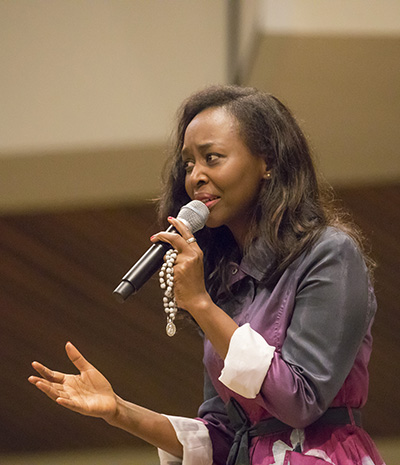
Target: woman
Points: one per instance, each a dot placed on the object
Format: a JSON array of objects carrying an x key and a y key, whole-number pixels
[{"x": 277, "y": 283}]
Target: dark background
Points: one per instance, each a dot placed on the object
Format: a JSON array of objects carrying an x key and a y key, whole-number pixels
[{"x": 58, "y": 271}]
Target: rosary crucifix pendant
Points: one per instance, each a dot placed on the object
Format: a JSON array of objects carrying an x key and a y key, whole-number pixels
[{"x": 171, "y": 328}]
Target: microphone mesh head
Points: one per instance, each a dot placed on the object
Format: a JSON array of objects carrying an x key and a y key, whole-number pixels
[{"x": 194, "y": 215}]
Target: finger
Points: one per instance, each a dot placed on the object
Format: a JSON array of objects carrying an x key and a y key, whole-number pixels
[
  {"x": 186, "y": 234},
  {"x": 77, "y": 358},
  {"x": 35, "y": 379},
  {"x": 68, "y": 403},
  {"x": 174, "y": 239},
  {"x": 48, "y": 389},
  {"x": 60, "y": 397},
  {"x": 44, "y": 385},
  {"x": 50, "y": 375},
  {"x": 181, "y": 227}
]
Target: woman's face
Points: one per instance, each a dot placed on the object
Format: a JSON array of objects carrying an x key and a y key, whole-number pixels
[{"x": 221, "y": 171}]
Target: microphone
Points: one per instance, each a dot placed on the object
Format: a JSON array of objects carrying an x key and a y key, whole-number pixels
[{"x": 194, "y": 215}]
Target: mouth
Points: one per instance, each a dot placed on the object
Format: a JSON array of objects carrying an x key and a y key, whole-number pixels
[{"x": 208, "y": 199}]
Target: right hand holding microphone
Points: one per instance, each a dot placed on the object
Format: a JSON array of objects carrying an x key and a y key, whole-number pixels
[{"x": 189, "y": 284}]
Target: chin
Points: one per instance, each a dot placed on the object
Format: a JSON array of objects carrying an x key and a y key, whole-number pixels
[{"x": 212, "y": 224}]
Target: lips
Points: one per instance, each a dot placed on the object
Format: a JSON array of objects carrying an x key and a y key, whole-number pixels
[{"x": 208, "y": 199}]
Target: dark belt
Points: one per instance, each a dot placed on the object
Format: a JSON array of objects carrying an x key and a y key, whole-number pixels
[{"x": 244, "y": 431}]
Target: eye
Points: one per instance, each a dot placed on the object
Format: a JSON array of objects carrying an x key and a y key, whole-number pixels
[
  {"x": 212, "y": 157},
  {"x": 188, "y": 165}
]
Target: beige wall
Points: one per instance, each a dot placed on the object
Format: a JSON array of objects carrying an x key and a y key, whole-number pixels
[
  {"x": 345, "y": 93},
  {"x": 88, "y": 89},
  {"x": 86, "y": 74},
  {"x": 337, "y": 17}
]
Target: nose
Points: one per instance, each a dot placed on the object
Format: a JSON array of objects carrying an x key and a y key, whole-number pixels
[{"x": 198, "y": 175}]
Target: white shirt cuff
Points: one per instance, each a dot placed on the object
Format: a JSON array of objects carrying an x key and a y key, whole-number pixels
[
  {"x": 196, "y": 442},
  {"x": 247, "y": 362}
]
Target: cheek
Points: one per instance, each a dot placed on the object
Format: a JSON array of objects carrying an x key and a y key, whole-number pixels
[
  {"x": 249, "y": 189},
  {"x": 188, "y": 187}
]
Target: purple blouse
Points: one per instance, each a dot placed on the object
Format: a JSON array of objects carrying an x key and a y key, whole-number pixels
[{"x": 318, "y": 317}]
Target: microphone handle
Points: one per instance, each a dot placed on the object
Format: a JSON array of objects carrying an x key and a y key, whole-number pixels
[{"x": 142, "y": 270}]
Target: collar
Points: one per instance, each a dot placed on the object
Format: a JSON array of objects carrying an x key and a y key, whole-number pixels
[{"x": 255, "y": 263}]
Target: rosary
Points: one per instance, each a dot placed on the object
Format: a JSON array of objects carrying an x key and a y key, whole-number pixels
[{"x": 166, "y": 277}]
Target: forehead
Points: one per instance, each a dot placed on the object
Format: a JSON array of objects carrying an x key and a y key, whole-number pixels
[{"x": 211, "y": 125}]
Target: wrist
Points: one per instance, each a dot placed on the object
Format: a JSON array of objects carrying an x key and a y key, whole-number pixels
[
  {"x": 113, "y": 417},
  {"x": 216, "y": 324},
  {"x": 200, "y": 305}
]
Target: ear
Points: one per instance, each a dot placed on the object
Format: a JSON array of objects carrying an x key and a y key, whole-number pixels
[
  {"x": 267, "y": 174},
  {"x": 264, "y": 171}
]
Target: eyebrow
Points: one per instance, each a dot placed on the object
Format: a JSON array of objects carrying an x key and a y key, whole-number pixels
[{"x": 200, "y": 147}]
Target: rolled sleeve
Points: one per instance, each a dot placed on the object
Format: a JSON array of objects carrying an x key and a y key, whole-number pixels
[
  {"x": 247, "y": 362},
  {"x": 194, "y": 437}
]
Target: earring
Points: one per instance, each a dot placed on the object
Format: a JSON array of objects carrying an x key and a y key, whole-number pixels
[{"x": 268, "y": 175}]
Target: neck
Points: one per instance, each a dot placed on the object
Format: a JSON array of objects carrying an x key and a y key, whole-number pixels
[{"x": 240, "y": 231}]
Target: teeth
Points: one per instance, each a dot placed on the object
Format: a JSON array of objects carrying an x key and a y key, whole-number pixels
[{"x": 209, "y": 199}]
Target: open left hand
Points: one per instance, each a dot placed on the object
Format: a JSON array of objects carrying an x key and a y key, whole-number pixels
[{"x": 88, "y": 393}]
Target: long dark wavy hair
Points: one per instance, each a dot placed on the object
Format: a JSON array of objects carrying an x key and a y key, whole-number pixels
[{"x": 292, "y": 208}]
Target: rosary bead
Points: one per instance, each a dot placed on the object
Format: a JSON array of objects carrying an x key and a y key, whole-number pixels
[{"x": 166, "y": 280}]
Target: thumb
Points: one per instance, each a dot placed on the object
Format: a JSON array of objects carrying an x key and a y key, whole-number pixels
[{"x": 77, "y": 358}]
